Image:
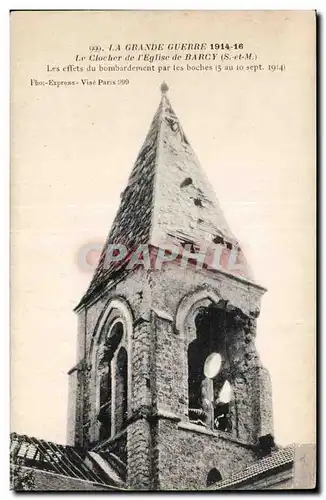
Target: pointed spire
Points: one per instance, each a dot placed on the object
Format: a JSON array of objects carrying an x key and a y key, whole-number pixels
[{"x": 168, "y": 195}]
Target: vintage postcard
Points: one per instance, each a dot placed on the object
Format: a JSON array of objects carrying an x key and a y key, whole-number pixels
[{"x": 163, "y": 169}]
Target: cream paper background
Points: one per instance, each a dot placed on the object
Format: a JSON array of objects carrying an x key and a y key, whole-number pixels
[{"x": 72, "y": 150}]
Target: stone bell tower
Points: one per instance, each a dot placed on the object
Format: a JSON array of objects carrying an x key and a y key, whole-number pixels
[{"x": 168, "y": 382}]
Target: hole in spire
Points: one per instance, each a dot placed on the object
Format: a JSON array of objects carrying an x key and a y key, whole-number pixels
[
  {"x": 198, "y": 202},
  {"x": 186, "y": 182}
]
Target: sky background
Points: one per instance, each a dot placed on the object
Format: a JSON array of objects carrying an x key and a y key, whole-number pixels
[{"x": 72, "y": 153}]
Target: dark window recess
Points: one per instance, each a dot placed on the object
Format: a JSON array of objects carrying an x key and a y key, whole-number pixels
[
  {"x": 222, "y": 421},
  {"x": 195, "y": 377},
  {"x": 209, "y": 391},
  {"x": 186, "y": 182},
  {"x": 115, "y": 337},
  {"x": 121, "y": 390},
  {"x": 104, "y": 415},
  {"x": 105, "y": 380},
  {"x": 105, "y": 387},
  {"x": 214, "y": 476}
]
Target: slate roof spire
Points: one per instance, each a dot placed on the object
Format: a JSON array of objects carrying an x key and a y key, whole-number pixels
[{"x": 168, "y": 196}]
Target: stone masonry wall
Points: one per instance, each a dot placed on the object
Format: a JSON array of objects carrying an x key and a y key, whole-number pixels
[
  {"x": 170, "y": 390},
  {"x": 141, "y": 366},
  {"x": 185, "y": 456},
  {"x": 139, "y": 455}
]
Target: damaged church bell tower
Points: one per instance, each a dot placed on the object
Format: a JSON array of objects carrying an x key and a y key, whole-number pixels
[{"x": 168, "y": 384}]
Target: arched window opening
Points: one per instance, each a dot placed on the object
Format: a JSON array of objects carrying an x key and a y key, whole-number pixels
[
  {"x": 209, "y": 391},
  {"x": 106, "y": 354},
  {"x": 121, "y": 390},
  {"x": 214, "y": 476},
  {"x": 200, "y": 387}
]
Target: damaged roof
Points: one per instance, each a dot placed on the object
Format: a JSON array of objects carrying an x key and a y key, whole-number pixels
[{"x": 65, "y": 460}]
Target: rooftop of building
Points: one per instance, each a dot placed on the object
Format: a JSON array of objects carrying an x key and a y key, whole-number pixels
[{"x": 108, "y": 471}]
